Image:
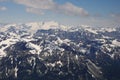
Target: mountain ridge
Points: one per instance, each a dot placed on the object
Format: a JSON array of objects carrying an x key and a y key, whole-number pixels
[{"x": 55, "y": 53}]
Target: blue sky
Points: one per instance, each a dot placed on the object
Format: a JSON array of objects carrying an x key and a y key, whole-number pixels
[{"x": 68, "y": 12}]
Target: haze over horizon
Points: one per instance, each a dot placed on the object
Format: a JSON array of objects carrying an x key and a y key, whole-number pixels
[{"x": 68, "y": 12}]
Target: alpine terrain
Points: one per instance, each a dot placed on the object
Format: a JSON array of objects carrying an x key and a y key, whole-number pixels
[{"x": 51, "y": 51}]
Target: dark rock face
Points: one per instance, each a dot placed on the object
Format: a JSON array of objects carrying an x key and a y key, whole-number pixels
[{"x": 61, "y": 55}]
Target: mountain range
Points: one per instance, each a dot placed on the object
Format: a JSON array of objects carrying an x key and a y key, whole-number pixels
[{"x": 51, "y": 51}]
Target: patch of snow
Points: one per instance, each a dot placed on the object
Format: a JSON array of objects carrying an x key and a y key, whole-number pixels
[
  {"x": 91, "y": 30},
  {"x": 50, "y": 25},
  {"x": 6, "y": 27},
  {"x": 7, "y": 42},
  {"x": 105, "y": 37},
  {"x": 2, "y": 53},
  {"x": 116, "y": 43},
  {"x": 64, "y": 28},
  {"x": 51, "y": 64},
  {"x": 66, "y": 40},
  {"x": 16, "y": 69},
  {"x": 27, "y": 40},
  {"x": 101, "y": 40},
  {"x": 83, "y": 50},
  {"x": 107, "y": 29},
  {"x": 76, "y": 57},
  {"x": 59, "y": 41},
  {"x": 33, "y": 46},
  {"x": 32, "y": 51},
  {"x": 34, "y": 26},
  {"x": 112, "y": 56},
  {"x": 110, "y": 29},
  {"x": 59, "y": 63}
]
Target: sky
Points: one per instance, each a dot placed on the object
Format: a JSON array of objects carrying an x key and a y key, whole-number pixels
[{"x": 68, "y": 12}]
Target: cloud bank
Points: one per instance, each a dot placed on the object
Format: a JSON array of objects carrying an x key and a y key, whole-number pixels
[
  {"x": 39, "y": 6},
  {"x": 2, "y": 8}
]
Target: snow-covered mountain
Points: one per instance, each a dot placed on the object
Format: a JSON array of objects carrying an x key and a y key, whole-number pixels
[
  {"x": 32, "y": 27},
  {"x": 51, "y": 51}
]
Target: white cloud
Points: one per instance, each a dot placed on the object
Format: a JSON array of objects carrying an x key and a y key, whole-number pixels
[
  {"x": 38, "y": 6},
  {"x": 41, "y": 4},
  {"x": 2, "y": 8},
  {"x": 115, "y": 15},
  {"x": 71, "y": 9},
  {"x": 35, "y": 11}
]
